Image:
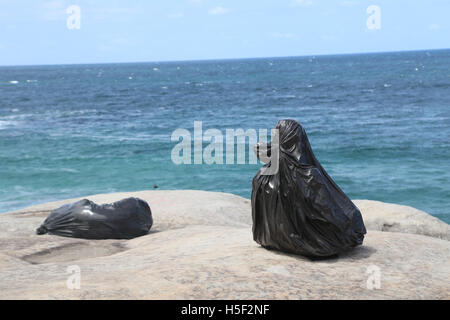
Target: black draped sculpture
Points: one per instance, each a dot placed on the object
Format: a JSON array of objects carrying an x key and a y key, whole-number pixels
[
  {"x": 125, "y": 219},
  {"x": 300, "y": 209}
]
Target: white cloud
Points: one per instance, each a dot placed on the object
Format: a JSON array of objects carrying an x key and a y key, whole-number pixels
[
  {"x": 282, "y": 35},
  {"x": 301, "y": 3},
  {"x": 218, "y": 10},
  {"x": 433, "y": 27}
]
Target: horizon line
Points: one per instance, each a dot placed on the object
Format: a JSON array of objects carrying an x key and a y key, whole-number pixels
[{"x": 223, "y": 59}]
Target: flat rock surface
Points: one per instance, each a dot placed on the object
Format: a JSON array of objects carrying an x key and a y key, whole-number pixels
[
  {"x": 201, "y": 247},
  {"x": 397, "y": 218}
]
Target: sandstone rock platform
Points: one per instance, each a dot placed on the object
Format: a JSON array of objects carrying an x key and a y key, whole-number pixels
[{"x": 201, "y": 247}]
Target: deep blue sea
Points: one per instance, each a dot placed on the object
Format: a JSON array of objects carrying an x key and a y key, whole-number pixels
[{"x": 378, "y": 123}]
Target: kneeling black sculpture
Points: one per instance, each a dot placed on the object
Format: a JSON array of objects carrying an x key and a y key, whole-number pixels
[
  {"x": 125, "y": 219},
  {"x": 300, "y": 209}
]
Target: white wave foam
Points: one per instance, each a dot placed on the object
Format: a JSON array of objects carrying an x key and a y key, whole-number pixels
[
  {"x": 70, "y": 170},
  {"x": 14, "y": 82},
  {"x": 43, "y": 169},
  {"x": 7, "y": 124}
]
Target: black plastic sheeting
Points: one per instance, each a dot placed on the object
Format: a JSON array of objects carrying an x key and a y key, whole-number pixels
[
  {"x": 300, "y": 209},
  {"x": 125, "y": 219}
]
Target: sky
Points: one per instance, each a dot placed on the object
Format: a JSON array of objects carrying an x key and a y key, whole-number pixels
[{"x": 38, "y": 32}]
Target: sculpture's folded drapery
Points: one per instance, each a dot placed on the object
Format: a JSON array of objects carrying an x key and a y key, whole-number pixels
[
  {"x": 125, "y": 219},
  {"x": 300, "y": 209}
]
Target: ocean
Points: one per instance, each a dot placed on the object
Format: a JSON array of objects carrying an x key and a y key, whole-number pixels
[{"x": 378, "y": 123}]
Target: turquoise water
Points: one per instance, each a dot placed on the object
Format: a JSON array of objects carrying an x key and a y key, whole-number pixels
[{"x": 378, "y": 123}]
